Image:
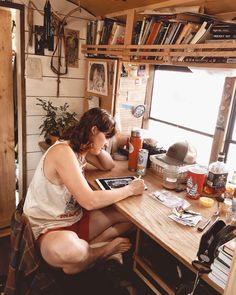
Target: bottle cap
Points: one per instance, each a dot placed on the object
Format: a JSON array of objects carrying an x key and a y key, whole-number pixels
[{"x": 136, "y": 132}]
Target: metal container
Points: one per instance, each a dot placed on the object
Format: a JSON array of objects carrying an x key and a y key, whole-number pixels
[
  {"x": 142, "y": 162},
  {"x": 135, "y": 144}
]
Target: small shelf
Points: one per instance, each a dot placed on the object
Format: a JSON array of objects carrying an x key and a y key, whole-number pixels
[{"x": 215, "y": 54}]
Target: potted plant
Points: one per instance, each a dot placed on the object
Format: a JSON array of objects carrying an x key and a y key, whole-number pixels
[{"x": 56, "y": 120}]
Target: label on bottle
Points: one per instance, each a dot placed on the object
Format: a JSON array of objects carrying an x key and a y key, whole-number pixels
[
  {"x": 131, "y": 148},
  {"x": 217, "y": 181}
]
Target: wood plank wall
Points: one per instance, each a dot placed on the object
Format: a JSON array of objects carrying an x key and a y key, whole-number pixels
[{"x": 72, "y": 84}]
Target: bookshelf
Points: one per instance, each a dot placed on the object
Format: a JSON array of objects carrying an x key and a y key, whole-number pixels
[{"x": 213, "y": 54}]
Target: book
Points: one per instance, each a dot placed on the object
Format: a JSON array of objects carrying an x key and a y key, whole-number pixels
[
  {"x": 153, "y": 33},
  {"x": 185, "y": 31},
  {"x": 190, "y": 33},
  {"x": 100, "y": 24},
  {"x": 141, "y": 31},
  {"x": 199, "y": 33},
  {"x": 229, "y": 247},
  {"x": 224, "y": 256},
  {"x": 171, "y": 31},
  {"x": 114, "y": 182},
  {"x": 221, "y": 265},
  {"x": 216, "y": 280},
  {"x": 137, "y": 30},
  {"x": 117, "y": 34},
  {"x": 224, "y": 36},
  {"x": 219, "y": 272}
]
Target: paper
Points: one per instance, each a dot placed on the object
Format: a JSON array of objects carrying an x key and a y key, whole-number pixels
[
  {"x": 185, "y": 217},
  {"x": 34, "y": 68},
  {"x": 170, "y": 200},
  {"x": 93, "y": 102}
]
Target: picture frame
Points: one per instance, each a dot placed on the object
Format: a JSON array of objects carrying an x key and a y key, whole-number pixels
[
  {"x": 72, "y": 47},
  {"x": 97, "y": 80}
]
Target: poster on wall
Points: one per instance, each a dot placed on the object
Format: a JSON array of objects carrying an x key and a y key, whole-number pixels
[
  {"x": 97, "y": 77},
  {"x": 72, "y": 48}
]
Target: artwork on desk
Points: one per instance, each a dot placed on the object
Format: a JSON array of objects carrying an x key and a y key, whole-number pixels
[
  {"x": 97, "y": 81},
  {"x": 114, "y": 182}
]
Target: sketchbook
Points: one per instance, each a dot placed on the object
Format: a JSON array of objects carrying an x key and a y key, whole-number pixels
[{"x": 114, "y": 182}]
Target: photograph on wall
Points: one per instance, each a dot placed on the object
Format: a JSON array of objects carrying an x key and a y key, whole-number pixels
[
  {"x": 97, "y": 78},
  {"x": 39, "y": 40},
  {"x": 72, "y": 48}
]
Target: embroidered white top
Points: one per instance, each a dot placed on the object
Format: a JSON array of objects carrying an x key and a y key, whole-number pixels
[{"x": 48, "y": 205}]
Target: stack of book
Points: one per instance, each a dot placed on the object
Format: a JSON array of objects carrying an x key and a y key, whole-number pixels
[
  {"x": 222, "y": 32},
  {"x": 221, "y": 265}
]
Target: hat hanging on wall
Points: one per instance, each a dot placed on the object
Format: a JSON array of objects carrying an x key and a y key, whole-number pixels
[{"x": 138, "y": 111}]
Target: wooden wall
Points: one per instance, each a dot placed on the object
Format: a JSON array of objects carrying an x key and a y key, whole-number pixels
[{"x": 72, "y": 84}]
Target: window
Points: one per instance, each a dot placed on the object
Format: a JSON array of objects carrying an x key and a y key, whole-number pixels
[{"x": 185, "y": 107}]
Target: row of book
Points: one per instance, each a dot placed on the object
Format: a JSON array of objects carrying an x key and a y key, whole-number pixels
[
  {"x": 105, "y": 32},
  {"x": 182, "y": 28},
  {"x": 221, "y": 265}
]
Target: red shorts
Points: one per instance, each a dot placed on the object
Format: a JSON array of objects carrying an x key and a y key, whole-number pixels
[{"x": 81, "y": 228}]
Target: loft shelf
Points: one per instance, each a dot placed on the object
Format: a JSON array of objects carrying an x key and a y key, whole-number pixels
[{"x": 221, "y": 55}]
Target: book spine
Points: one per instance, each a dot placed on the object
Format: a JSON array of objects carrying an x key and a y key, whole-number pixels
[
  {"x": 206, "y": 59},
  {"x": 224, "y": 36},
  {"x": 223, "y": 30}
]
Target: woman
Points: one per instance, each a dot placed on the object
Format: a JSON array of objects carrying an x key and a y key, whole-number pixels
[{"x": 65, "y": 214}]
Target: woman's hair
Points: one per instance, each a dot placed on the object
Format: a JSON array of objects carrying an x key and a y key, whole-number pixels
[{"x": 79, "y": 135}]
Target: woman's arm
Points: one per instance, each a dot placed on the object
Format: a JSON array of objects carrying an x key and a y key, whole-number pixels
[
  {"x": 103, "y": 161},
  {"x": 71, "y": 175}
]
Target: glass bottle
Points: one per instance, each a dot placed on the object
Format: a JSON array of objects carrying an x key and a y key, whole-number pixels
[
  {"x": 230, "y": 186},
  {"x": 217, "y": 177},
  {"x": 231, "y": 212},
  {"x": 135, "y": 144}
]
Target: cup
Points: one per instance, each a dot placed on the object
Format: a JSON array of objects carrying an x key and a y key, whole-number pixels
[
  {"x": 170, "y": 177},
  {"x": 196, "y": 177}
]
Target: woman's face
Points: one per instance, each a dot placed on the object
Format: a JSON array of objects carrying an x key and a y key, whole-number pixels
[{"x": 99, "y": 141}]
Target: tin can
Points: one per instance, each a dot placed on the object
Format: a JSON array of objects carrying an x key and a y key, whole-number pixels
[{"x": 142, "y": 162}]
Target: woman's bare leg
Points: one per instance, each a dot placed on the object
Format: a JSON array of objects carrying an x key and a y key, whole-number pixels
[
  {"x": 106, "y": 224},
  {"x": 65, "y": 250}
]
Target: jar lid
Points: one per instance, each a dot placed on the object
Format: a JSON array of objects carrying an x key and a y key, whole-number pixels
[{"x": 136, "y": 133}]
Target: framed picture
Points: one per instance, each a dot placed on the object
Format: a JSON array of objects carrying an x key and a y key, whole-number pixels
[
  {"x": 97, "y": 80},
  {"x": 72, "y": 47}
]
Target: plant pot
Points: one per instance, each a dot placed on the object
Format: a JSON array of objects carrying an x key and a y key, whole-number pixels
[{"x": 51, "y": 139}]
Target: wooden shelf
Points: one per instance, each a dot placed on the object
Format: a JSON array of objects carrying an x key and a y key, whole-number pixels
[{"x": 168, "y": 54}]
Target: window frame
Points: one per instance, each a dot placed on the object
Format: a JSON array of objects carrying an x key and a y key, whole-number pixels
[{"x": 217, "y": 145}]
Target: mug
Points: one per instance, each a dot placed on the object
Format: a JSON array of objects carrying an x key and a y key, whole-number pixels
[{"x": 196, "y": 177}]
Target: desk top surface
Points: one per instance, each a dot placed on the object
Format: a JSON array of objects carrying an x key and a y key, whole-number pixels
[{"x": 151, "y": 216}]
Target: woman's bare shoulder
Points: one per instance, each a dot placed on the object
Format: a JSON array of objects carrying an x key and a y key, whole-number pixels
[{"x": 60, "y": 149}]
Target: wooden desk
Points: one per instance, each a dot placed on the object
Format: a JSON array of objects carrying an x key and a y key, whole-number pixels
[{"x": 151, "y": 217}]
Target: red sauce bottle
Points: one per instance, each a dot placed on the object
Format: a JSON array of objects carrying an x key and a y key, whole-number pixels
[{"x": 135, "y": 144}]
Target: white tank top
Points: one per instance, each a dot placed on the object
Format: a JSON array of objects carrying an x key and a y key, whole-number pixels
[{"x": 49, "y": 205}]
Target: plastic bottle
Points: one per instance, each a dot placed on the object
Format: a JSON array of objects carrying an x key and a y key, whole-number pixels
[
  {"x": 217, "y": 177},
  {"x": 135, "y": 144}
]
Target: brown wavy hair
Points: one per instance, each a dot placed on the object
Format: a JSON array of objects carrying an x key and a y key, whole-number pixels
[{"x": 79, "y": 135}]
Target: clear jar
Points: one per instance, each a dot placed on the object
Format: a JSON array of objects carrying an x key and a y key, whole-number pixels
[{"x": 170, "y": 177}]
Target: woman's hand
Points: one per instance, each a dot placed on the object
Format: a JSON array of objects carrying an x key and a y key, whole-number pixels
[{"x": 137, "y": 186}]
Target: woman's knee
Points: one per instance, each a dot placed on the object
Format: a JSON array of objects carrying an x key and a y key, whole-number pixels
[{"x": 60, "y": 248}]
